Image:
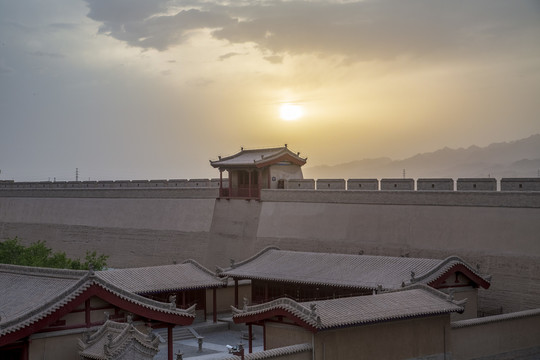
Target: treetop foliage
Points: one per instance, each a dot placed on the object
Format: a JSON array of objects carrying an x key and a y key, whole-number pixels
[{"x": 38, "y": 254}]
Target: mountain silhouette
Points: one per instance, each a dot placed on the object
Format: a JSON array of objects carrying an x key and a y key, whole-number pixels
[{"x": 520, "y": 158}]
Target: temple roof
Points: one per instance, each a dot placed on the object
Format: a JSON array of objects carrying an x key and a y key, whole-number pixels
[
  {"x": 347, "y": 270},
  {"x": 166, "y": 278},
  {"x": 417, "y": 301},
  {"x": 114, "y": 340},
  {"x": 32, "y": 297},
  {"x": 259, "y": 158}
]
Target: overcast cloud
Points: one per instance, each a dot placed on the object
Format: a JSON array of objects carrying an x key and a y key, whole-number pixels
[
  {"x": 363, "y": 30},
  {"x": 140, "y": 89}
]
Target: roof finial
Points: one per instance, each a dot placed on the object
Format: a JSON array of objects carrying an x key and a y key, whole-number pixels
[
  {"x": 91, "y": 269},
  {"x": 219, "y": 157},
  {"x": 313, "y": 308},
  {"x": 285, "y": 145},
  {"x": 172, "y": 301},
  {"x": 241, "y": 148}
]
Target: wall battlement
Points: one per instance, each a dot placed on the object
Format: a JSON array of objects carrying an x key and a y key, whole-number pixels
[{"x": 421, "y": 184}]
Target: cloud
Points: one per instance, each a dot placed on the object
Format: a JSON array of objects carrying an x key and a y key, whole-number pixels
[
  {"x": 64, "y": 26},
  {"x": 144, "y": 23},
  {"x": 360, "y": 30},
  {"x": 274, "y": 59},
  {"x": 228, "y": 55},
  {"x": 5, "y": 69},
  {"x": 48, "y": 54}
]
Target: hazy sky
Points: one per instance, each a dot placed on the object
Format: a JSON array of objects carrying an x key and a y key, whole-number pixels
[{"x": 152, "y": 89}]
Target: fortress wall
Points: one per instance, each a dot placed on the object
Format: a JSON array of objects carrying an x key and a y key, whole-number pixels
[
  {"x": 520, "y": 199},
  {"x": 500, "y": 234},
  {"x": 135, "y": 227},
  {"x": 159, "y": 209},
  {"x": 125, "y": 247},
  {"x": 486, "y": 229},
  {"x": 233, "y": 232},
  {"x": 189, "y": 215},
  {"x": 142, "y": 227}
]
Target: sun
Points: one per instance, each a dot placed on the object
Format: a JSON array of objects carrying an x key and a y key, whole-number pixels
[{"x": 290, "y": 112}]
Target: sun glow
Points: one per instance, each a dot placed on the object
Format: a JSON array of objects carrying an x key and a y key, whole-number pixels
[{"x": 290, "y": 112}]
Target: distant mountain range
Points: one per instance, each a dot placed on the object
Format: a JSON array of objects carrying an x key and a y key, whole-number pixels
[{"x": 520, "y": 158}]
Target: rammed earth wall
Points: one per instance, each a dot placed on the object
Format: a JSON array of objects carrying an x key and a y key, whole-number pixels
[{"x": 140, "y": 227}]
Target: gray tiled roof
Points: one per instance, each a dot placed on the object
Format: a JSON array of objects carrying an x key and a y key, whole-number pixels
[
  {"x": 273, "y": 353},
  {"x": 30, "y": 294},
  {"x": 419, "y": 300},
  {"x": 346, "y": 270},
  {"x": 254, "y": 156},
  {"x": 125, "y": 338},
  {"x": 186, "y": 276}
]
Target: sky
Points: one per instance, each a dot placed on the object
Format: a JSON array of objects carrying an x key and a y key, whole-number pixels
[{"x": 154, "y": 89}]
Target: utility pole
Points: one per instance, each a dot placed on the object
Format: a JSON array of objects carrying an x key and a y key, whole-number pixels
[
  {"x": 404, "y": 173},
  {"x": 76, "y": 174}
]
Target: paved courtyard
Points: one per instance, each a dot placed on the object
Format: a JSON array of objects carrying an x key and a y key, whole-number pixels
[{"x": 214, "y": 344}]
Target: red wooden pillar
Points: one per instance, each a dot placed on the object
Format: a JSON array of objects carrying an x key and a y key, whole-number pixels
[
  {"x": 169, "y": 342},
  {"x": 25, "y": 350},
  {"x": 264, "y": 336},
  {"x": 230, "y": 183},
  {"x": 220, "y": 183},
  {"x": 250, "y": 339},
  {"x": 203, "y": 294},
  {"x": 87, "y": 318},
  {"x": 236, "y": 293},
  {"x": 214, "y": 305},
  {"x": 249, "y": 183},
  {"x": 266, "y": 292}
]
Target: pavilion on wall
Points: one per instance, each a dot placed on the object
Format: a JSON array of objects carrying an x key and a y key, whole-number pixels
[{"x": 250, "y": 171}]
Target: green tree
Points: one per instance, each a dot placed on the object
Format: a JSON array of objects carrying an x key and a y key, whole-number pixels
[{"x": 38, "y": 254}]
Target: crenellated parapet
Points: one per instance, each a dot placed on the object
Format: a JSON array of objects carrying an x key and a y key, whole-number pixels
[
  {"x": 113, "y": 184},
  {"x": 397, "y": 184}
]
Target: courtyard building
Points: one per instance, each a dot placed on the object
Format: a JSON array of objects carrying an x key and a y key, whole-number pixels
[
  {"x": 403, "y": 324},
  {"x": 310, "y": 276}
]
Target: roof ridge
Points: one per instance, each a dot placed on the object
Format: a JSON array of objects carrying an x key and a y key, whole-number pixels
[
  {"x": 257, "y": 255},
  {"x": 202, "y": 268},
  {"x": 450, "y": 261},
  {"x": 244, "y": 150},
  {"x": 141, "y": 300},
  {"x": 42, "y": 271},
  {"x": 307, "y": 314},
  {"x": 433, "y": 291}
]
